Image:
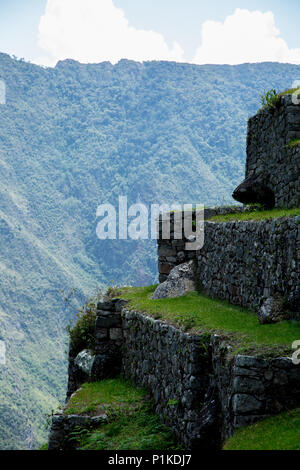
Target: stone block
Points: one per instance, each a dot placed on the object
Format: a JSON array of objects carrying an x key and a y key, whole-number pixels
[
  {"x": 116, "y": 333},
  {"x": 243, "y": 404},
  {"x": 108, "y": 320}
]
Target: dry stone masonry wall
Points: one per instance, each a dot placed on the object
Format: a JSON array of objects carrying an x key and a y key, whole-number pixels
[
  {"x": 243, "y": 262},
  {"x": 172, "y": 252},
  {"x": 200, "y": 388},
  {"x": 247, "y": 262},
  {"x": 271, "y": 163}
]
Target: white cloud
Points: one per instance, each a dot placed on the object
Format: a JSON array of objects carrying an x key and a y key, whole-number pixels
[
  {"x": 245, "y": 36},
  {"x": 96, "y": 31}
]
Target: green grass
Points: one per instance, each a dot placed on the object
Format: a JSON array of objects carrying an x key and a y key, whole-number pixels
[
  {"x": 271, "y": 98},
  {"x": 132, "y": 424},
  {"x": 257, "y": 215},
  {"x": 97, "y": 397},
  {"x": 288, "y": 92},
  {"x": 44, "y": 447},
  {"x": 294, "y": 143},
  {"x": 280, "y": 432},
  {"x": 199, "y": 313}
]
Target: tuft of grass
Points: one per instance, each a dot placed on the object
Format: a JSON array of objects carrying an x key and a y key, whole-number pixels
[
  {"x": 82, "y": 333},
  {"x": 257, "y": 215},
  {"x": 206, "y": 315},
  {"x": 280, "y": 432},
  {"x": 270, "y": 99},
  {"x": 132, "y": 424},
  {"x": 294, "y": 143}
]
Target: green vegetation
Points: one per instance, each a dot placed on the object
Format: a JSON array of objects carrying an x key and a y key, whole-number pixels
[
  {"x": 270, "y": 99},
  {"x": 257, "y": 215},
  {"x": 96, "y": 397},
  {"x": 73, "y": 137},
  {"x": 82, "y": 333},
  {"x": 132, "y": 424},
  {"x": 289, "y": 92},
  {"x": 294, "y": 143},
  {"x": 201, "y": 314},
  {"x": 280, "y": 432},
  {"x": 44, "y": 447}
]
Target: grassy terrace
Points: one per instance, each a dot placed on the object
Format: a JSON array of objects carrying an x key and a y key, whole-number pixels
[
  {"x": 198, "y": 313},
  {"x": 280, "y": 432},
  {"x": 257, "y": 215},
  {"x": 131, "y": 424}
]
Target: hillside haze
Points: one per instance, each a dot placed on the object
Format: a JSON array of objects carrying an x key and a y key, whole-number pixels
[{"x": 76, "y": 136}]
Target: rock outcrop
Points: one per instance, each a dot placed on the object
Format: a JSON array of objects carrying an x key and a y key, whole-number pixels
[
  {"x": 252, "y": 191},
  {"x": 179, "y": 282},
  {"x": 273, "y": 310}
]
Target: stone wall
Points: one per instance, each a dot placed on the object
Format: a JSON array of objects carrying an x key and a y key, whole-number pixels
[
  {"x": 270, "y": 161},
  {"x": 175, "y": 367},
  {"x": 172, "y": 252},
  {"x": 246, "y": 262},
  {"x": 105, "y": 360},
  {"x": 200, "y": 388},
  {"x": 243, "y": 262}
]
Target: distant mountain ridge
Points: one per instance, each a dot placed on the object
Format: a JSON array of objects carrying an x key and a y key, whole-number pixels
[{"x": 72, "y": 137}]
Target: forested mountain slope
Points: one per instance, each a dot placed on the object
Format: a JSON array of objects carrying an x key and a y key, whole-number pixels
[{"x": 72, "y": 138}]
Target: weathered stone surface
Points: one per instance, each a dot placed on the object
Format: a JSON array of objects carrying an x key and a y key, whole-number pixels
[
  {"x": 293, "y": 303},
  {"x": 252, "y": 191},
  {"x": 245, "y": 262},
  {"x": 84, "y": 361},
  {"x": 165, "y": 268},
  {"x": 270, "y": 160},
  {"x": 179, "y": 282},
  {"x": 272, "y": 310},
  {"x": 63, "y": 425},
  {"x": 172, "y": 251},
  {"x": 246, "y": 404},
  {"x": 107, "y": 361},
  {"x": 177, "y": 368},
  {"x": 201, "y": 391},
  {"x": 250, "y": 362},
  {"x": 107, "y": 319},
  {"x": 116, "y": 333}
]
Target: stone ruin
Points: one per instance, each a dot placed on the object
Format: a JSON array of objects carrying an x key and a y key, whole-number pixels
[{"x": 273, "y": 157}]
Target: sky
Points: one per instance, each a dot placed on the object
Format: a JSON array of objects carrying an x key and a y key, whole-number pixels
[{"x": 194, "y": 31}]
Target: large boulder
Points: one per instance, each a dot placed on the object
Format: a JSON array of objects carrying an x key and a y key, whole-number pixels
[
  {"x": 273, "y": 310},
  {"x": 252, "y": 191},
  {"x": 179, "y": 282}
]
